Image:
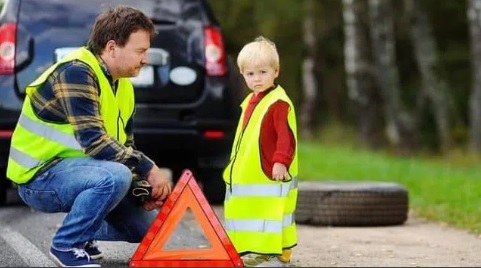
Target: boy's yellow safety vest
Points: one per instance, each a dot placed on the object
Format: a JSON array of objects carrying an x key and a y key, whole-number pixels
[
  {"x": 35, "y": 142},
  {"x": 258, "y": 211}
]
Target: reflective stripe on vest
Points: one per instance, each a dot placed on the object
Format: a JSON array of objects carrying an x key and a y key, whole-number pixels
[
  {"x": 267, "y": 223},
  {"x": 261, "y": 190},
  {"x": 44, "y": 131},
  {"x": 24, "y": 159},
  {"x": 253, "y": 225},
  {"x": 35, "y": 142},
  {"x": 49, "y": 133},
  {"x": 267, "y": 190}
]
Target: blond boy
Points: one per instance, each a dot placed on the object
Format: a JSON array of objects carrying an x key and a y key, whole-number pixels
[{"x": 261, "y": 177}]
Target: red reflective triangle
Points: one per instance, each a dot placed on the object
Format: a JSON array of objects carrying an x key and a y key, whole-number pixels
[{"x": 186, "y": 194}]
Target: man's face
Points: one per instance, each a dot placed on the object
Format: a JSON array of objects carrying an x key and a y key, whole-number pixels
[{"x": 129, "y": 59}]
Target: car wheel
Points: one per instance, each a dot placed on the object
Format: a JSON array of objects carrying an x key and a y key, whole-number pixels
[
  {"x": 4, "y": 185},
  {"x": 351, "y": 203},
  {"x": 212, "y": 185}
]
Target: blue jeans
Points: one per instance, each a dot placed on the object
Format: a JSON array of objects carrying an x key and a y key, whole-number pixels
[{"x": 93, "y": 193}]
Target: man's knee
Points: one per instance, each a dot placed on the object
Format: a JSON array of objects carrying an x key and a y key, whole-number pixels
[{"x": 119, "y": 177}]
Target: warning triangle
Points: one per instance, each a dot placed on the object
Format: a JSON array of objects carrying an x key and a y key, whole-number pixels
[{"x": 186, "y": 195}]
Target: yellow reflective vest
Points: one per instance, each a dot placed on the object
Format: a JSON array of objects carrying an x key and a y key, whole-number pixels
[
  {"x": 259, "y": 212},
  {"x": 35, "y": 142}
]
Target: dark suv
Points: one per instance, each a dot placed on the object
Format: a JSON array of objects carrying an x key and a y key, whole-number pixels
[{"x": 187, "y": 96}]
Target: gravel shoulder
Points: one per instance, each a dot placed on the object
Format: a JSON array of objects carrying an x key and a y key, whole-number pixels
[{"x": 417, "y": 243}]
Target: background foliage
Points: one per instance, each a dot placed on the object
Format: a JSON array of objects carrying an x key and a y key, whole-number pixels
[{"x": 281, "y": 21}]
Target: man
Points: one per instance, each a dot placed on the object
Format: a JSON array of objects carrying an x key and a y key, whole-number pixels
[{"x": 73, "y": 150}]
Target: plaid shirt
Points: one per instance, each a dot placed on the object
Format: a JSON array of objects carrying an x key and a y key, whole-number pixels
[{"x": 71, "y": 95}]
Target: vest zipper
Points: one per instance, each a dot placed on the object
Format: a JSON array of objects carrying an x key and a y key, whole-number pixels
[
  {"x": 235, "y": 156},
  {"x": 239, "y": 142},
  {"x": 118, "y": 126},
  {"x": 295, "y": 148}
]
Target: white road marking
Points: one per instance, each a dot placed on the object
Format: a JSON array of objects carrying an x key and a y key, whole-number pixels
[{"x": 30, "y": 254}]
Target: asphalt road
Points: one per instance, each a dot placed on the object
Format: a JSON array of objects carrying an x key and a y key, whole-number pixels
[{"x": 25, "y": 237}]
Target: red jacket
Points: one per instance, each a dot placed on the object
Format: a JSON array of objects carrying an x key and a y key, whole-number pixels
[{"x": 276, "y": 138}]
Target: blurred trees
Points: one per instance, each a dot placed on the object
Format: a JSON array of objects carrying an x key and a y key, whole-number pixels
[
  {"x": 433, "y": 87},
  {"x": 360, "y": 73},
  {"x": 401, "y": 71},
  {"x": 474, "y": 10},
  {"x": 309, "y": 81},
  {"x": 401, "y": 132}
]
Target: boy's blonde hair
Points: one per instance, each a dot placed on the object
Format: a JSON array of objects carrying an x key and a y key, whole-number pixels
[{"x": 259, "y": 51}]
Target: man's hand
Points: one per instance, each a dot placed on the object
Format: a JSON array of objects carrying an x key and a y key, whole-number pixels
[
  {"x": 161, "y": 181},
  {"x": 140, "y": 189},
  {"x": 152, "y": 204}
]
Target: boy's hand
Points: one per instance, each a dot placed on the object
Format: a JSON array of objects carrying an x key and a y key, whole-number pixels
[{"x": 279, "y": 172}]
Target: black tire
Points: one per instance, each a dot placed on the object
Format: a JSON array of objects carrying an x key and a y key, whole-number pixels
[
  {"x": 212, "y": 185},
  {"x": 352, "y": 203},
  {"x": 4, "y": 186}
]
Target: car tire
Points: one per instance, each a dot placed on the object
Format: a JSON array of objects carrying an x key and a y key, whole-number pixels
[
  {"x": 4, "y": 185},
  {"x": 212, "y": 185},
  {"x": 351, "y": 203}
]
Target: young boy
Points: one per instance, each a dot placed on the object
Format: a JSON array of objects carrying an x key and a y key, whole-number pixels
[{"x": 261, "y": 177}]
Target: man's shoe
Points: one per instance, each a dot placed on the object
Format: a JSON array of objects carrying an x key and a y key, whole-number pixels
[
  {"x": 273, "y": 261},
  {"x": 92, "y": 249},
  {"x": 74, "y": 257}
]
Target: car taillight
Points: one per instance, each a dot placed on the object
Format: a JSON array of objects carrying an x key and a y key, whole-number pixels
[
  {"x": 213, "y": 134},
  {"x": 215, "y": 58},
  {"x": 7, "y": 48},
  {"x": 6, "y": 133}
]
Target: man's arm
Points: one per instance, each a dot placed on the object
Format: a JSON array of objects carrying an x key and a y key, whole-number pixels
[
  {"x": 129, "y": 130},
  {"x": 77, "y": 91}
]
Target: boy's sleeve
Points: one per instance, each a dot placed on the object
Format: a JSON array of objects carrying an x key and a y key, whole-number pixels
[{"x": 285, "y": 146}]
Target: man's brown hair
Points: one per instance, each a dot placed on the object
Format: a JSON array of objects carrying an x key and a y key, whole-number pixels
[{"x": 117, "y": 24}]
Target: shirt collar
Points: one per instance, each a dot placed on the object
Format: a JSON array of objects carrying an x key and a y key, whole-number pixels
[
  {"x": 257, "y": 97},
  {"x": 105, "y": 69},
  {"x": 265, "y": 92}
]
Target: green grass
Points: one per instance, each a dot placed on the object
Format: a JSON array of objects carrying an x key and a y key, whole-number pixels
[{"x": 443, "y": 190}]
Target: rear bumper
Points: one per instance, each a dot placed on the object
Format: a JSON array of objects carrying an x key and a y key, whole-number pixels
[
  {"x": 177, "y": 149},
  {"x": 186, "y": 148}
]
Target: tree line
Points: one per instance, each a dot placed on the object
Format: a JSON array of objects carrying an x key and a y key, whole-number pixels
[{"x": 405, "y": 74}]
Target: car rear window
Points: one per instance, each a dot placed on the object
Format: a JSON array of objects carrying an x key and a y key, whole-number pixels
[{"x": 47, "y": 25}]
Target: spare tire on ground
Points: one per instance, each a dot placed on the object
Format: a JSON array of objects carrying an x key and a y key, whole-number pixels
[{"x": 334, "y": 203}]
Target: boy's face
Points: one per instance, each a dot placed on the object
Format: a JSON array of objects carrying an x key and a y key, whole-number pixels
[{"x": 259, "y": 77}]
